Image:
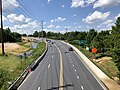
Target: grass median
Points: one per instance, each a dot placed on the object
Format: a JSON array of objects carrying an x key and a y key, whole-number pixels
[{"x": 12, "y": 66}]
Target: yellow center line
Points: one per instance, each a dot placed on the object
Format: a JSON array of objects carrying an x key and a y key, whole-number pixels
[{"x": 61, "y": 70}]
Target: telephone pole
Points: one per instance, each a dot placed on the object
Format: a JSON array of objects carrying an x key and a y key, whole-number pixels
[
  {"x": 2, "y": 36},
  {"x": 42, "y": 29}
]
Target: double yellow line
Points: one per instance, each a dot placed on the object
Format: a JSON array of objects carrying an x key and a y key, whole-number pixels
[{"x": 61, "y": 70}]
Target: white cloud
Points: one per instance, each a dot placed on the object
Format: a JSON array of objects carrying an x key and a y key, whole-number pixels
[
  {"x": 29, "y": 27},
  {"x": 14, "y": 18},
  {"x": 10, "y": 4},
  {"x": 58, "y": 27},
  {"x": 77, "y": 3},
  {"x": 59, "y": 19},
  {"x": 117, "y": 16},
  {"x": 49, "y": 1},
  {"x": 96, "y": 16},
  {"x": 3, "y": 18},
  {"x": 81, "y": 3},
  {"x": 108, "y": 22},
  {"x": 63, "y": 6},
  {"x": 51, "y": 26},
  {"x": 74, "y": 15},
  {"x": 106, "y": 3}
]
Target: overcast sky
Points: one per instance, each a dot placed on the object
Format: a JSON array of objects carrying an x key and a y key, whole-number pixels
[{"x": 24, "y": 16}]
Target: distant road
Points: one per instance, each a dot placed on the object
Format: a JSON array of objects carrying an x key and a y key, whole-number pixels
[{"x": 60, "y": 69}]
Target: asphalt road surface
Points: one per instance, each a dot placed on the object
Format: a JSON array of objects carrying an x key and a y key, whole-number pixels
[{"x": 60, "y": 69}]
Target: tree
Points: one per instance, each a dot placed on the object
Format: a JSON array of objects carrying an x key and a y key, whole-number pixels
[
  {"x": 81, "y": 36},
  {"x": 35, "y": 34},
  {"x": 116, "y": 43},
  {"x": 90, "y": 36}
]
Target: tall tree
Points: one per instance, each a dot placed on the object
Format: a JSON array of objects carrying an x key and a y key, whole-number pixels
[
  {"x": 116, "y": 42},
  {"x": 90, "y": 36}
]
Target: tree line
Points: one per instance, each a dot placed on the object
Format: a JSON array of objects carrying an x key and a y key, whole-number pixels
[
  {"x": 106, "y": 41},
  {"x": 10, "y": 36}
]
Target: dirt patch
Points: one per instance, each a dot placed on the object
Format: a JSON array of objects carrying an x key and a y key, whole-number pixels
[
  {"x": 101, "y": 60},
  {"x": 13, "y": 48}
]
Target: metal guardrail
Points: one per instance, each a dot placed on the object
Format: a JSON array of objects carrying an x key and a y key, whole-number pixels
[{"x": 31, "y": 67}]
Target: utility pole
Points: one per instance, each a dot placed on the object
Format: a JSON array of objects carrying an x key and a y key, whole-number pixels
[
  {"x": 42, "y": 29},
  {"x": 2, "y": 36}
]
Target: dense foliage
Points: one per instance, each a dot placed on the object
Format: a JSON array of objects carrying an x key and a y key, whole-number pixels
[
  {"x": 106, "y": 41},
  {"x": 10, "y": 36}
]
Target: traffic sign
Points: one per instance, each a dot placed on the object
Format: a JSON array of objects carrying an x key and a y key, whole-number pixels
[{"x": 94, "y": 50}]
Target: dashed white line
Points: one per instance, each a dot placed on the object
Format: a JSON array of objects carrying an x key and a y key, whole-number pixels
[
  {"x": 49, "y": 66},
  {"x": 39, "y": 88},
  {"x": 82, "y": 87},
  {"x": 73, "y": 65},
  {"x": 52, "y": 56},
  {"x": 75, "y": 70},
  {"x": 78, "y": 77}
]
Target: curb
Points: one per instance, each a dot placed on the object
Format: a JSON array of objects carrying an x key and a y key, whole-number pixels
[{"x": 108, "y": 83}]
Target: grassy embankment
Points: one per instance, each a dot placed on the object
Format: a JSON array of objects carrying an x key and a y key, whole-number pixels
[
  {"x": 105, "y": 64},
  {"x": 12, "y": 66}
]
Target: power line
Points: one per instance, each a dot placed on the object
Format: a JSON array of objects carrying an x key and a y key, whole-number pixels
[{"x": 26, "y": 9}]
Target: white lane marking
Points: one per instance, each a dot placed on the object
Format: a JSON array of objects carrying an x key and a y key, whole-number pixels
[
  {"x": 78, "y": 77},
  {"x": 75, "y": 70},
  {"x": 48, "y": 65},
  {"x": 73, "y": 65},
  {"x": 38, "y": 88},
  {"x": 82, "y": 87},
  {"x": 52, "y": 56}
]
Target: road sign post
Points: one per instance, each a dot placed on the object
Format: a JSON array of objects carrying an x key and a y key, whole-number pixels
[{"x": 94, "y": 51}]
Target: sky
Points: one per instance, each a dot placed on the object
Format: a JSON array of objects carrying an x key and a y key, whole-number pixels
[{"x": 25, "y": 16}]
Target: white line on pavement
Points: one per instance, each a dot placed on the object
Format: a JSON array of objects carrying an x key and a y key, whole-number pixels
[
  {"x": 75, "y": 70},
  {"x": 82, "y": 87},
  {"x": 73, "y": 65},
  {"x": 52, "y": 56},
  {"x": 78, "y": 77},
  {"x": 48, "y": 65},
  {"x": 38, "y": 88}
]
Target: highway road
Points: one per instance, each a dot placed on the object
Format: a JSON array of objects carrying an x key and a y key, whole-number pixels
[{"x": 61, "y": 69}]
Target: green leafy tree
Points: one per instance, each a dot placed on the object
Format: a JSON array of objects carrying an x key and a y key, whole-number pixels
[
  {"x": 90, "y": 36},
  {"x": 35, "y": 34}
]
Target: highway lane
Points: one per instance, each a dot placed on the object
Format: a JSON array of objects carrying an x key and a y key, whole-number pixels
[
  {"x": 47, "y": 76},
  {"x": 75, "y": 73}
]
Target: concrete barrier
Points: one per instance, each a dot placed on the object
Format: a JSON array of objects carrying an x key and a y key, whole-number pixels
[
  {"x": 109, "y": 83},
  {"x": 30, "y": 68}
]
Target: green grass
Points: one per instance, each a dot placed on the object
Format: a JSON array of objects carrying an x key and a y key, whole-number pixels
[
  {"x": 14, "y": 66},
  {"x": 108, "y": 66},
  {"x": 85, "y": 52}
]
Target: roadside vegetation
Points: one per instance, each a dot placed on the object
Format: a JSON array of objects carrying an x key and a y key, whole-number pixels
[
  {"x": 11, "y": 66},
  {"x": 107, "y": 43}
]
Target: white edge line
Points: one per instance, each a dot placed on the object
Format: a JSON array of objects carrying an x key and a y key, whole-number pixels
[
  {"x": 24, "y": 80},
  {"x": 91, "y": 72}
]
